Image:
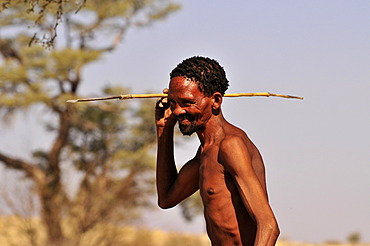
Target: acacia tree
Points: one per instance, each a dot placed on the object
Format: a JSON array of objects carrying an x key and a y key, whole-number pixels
[
  {"x": 57, "y": 9},
  {"x": 109, "y": 153}
]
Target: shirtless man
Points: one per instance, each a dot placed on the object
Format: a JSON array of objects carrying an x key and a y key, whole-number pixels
[{"x": 227, "y": 168}]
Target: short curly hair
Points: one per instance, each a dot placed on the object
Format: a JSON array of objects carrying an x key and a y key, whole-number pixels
[{"x": 208, "y": 73}]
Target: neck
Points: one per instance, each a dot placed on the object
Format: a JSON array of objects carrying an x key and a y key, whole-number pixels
[{"x": 213, "y": 131}]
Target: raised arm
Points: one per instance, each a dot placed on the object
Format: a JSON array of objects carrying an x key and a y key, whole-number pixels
[
  {"x": 172, "y": 187},
  {"x": 236, "y": 158}
]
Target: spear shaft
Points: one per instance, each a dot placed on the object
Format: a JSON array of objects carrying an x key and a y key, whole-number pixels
[{"x": 131, "y": 96}]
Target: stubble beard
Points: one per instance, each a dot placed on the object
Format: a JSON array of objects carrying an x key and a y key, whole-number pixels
[{"x": 189, "y": 129}]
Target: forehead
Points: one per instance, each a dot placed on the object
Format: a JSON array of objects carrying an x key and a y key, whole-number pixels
[{"x": 184, "y": 88}]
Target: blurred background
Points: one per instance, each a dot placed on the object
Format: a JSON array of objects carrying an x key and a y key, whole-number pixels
[{"x": 78, "y": 167}]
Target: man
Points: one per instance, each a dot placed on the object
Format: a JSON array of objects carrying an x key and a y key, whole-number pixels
[{"x": 228, "y": 168}]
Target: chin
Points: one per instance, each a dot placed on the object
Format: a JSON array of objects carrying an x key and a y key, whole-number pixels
[
  {"x": 187, "y": 133},
  {"x": 186, "y": 130},
  {"x": 189, "y": 129}
]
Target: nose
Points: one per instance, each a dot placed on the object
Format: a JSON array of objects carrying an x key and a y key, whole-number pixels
[{"x": 178, "y": 110}]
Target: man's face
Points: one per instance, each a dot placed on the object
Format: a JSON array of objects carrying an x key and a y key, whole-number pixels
[{"x": 189, "y": 105}]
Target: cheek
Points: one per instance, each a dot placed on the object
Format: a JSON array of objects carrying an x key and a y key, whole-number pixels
[
  {"x": 204, "y": 114},
  {"x": 201, "y": 110},
  {"x": 206, "y": 107}
]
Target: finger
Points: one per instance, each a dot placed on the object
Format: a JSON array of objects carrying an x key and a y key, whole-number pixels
[
  {"x": 162, "y": 103},
  {"x": 159, "y": 104}
]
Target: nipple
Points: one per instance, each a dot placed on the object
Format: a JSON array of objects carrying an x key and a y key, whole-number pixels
[{"x": 210, "y": 191}]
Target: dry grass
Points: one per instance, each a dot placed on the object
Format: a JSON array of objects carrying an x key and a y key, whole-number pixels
[
  {"x": 17, "y": 231},
  {"x": 289, "y": 243}
]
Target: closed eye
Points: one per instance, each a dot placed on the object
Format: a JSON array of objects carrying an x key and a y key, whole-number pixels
[
  {"x": 188, "y": 102},
  {"x": 183, "y": 102}
]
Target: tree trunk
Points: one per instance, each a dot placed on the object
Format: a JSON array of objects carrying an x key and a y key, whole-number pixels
[
  {"x": 51, "y": 219},
  {"x": 51, "y": 191},
  {"x": 50, "y": 215}
]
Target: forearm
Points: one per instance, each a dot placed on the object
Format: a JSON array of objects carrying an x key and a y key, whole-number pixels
[{"x": 166, "y": 171}]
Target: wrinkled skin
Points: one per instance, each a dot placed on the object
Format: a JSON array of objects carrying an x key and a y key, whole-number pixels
[{"x": 228, "y": 168}]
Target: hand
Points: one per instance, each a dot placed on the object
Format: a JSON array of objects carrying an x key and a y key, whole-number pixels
[{"x": 163, "y": 112}]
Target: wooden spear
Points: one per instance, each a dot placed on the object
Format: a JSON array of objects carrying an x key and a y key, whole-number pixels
[{"x": 131, "y": 96}]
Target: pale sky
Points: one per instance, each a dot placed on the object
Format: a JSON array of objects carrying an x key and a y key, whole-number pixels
[{"x": 316, "y": 151}]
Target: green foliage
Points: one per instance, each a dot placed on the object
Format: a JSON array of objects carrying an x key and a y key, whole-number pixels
[
  {"x": 45, "y": 16},
  {"x": 107, "y": 146}
]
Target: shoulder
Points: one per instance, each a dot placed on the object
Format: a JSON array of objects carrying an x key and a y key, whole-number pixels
[
  {"x": 234, "y": 154},
  {"x": 234, "y": 138},
  {"x": 230, "y": 142},
  {"x": 234, "y": 145}
]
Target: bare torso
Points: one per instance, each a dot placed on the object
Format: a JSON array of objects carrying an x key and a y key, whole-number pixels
[
  {"x": 228, "y": 169},
  {"x": 227, "y": 219}
]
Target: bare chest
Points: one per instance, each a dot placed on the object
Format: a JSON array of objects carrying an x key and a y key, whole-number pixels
[
  {"x": 217, "y": 190},
  {"x": 213, "y": 177}
]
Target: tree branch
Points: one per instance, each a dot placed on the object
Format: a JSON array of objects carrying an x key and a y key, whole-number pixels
[
  {"x": 60, "y": 141},
  {"x": 29, "y": 169}
]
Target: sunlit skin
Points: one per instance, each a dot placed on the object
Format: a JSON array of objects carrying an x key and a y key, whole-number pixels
[{"x": 228, "y": 169}]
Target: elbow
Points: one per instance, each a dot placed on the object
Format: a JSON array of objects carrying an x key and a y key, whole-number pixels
[
  {"x": 271, "y": 229},
  {"x": 163, "y": 204},
  {"x": 276, "y": 230}
]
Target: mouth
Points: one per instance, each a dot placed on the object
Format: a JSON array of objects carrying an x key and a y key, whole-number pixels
[
  {"x": 188, "y": 125},
  {"x": 185, "y": 119}
]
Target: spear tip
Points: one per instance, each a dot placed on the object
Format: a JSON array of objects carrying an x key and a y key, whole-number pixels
[{"x": 72, "y": 101}]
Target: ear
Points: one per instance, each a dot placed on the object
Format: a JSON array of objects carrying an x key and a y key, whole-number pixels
[{"x": 216, "y": 101}]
